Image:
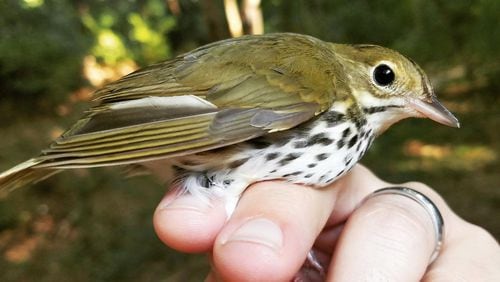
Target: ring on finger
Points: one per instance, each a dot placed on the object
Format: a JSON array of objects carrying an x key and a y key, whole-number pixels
[{"x": 426, "y": 203}]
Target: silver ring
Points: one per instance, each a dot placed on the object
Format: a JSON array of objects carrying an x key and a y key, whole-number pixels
[{"x": 427, "y": 204}]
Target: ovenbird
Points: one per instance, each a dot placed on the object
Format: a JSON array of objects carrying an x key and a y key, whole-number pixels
[{"x": 237, "y": 111}]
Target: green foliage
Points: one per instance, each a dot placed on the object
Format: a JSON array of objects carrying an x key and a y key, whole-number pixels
[
  {"x": 136, "y": 31},
  {"x": 152, "y": 41},
  {"x": 43, "y": 44},
  {"x": 40, "y": 52},
  {"x": 108, "y": 46}
]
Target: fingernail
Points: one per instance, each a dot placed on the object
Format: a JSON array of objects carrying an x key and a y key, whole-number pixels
[
  {"x": 185, "y": 202},
  {"x": 258, "y": 231}
]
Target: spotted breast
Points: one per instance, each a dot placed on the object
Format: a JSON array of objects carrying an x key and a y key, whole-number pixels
[{"x": 315, "y": 153}]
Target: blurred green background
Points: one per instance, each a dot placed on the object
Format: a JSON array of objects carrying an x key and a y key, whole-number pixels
[{"x": 94, "y": 225}]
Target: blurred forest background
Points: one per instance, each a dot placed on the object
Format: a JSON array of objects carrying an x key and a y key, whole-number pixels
[{"x": 94, "y": 225}]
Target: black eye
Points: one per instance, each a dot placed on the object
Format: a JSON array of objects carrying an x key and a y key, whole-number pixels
[{"x": 383, "y": 75}]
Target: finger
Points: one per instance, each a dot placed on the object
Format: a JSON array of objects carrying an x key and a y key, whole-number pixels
[
  {"x": 352, "y": 189},
  {"x": 389, "y": 238},
  {"x": 188, "y": 223},
  {"x": 356, "y": 185},
  {"x": 271, "y": 232},
  {"x": 470, "y": 254}
]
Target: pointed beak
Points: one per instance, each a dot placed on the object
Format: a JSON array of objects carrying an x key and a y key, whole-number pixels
[{"x": 434, "y": 110}]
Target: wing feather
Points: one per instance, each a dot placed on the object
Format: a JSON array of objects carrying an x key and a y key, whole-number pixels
[
  {"x": 214, "y": 96},
  {"x": 119, "y": 139}
]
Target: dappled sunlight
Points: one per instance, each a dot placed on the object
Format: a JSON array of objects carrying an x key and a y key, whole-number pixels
[
  {"x": 32, "y": 3},
  {"x": 417, "y": 148},
  {"x": 19, "y": 245},
  {"x": 246, "y": 19},
  {"x": 85, "y": 94},
  {"x": 457, "y": 157},
  {"x": 22, "y": 251},
  {"x": 154, "y": 45},
  {"x": 233, "y": 18},
  {"x": 108, "y": 46},
  {"x": 55, "y": 132},
  {"x": 98, "y": 74}
]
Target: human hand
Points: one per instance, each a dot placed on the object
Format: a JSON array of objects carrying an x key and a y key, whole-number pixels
[{"x": 386, "y": 238}]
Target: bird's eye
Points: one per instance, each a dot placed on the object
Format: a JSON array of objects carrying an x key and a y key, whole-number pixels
[{"x": 383, "y": 75}]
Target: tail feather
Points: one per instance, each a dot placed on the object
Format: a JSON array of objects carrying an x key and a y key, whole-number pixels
[{"x": 23, "y": 174}]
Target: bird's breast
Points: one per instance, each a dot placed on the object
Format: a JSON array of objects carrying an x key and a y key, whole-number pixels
[{"x": 316, "y": 153}]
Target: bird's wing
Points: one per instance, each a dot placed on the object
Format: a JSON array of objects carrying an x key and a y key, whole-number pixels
[
  {"x": 206, "y": 99},
  {"x": 224, "y": 72}
]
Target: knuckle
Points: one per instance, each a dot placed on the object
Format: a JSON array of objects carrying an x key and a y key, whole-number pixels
[
  {"x": 427, "y": 191},
  {"x": 482, "y": 235},
  {"x": 444, "y": 275},
  {"x": 419, "y": 186}
]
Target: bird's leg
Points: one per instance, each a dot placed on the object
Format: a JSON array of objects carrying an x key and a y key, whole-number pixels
[
  {"x": 313, "y": 262},
  {"x": 311, "y": 270}
]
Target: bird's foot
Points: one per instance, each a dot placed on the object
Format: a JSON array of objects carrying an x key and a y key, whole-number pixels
[{"x": 311, "y": 271}]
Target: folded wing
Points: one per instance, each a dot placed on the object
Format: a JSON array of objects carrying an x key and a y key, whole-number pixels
[{"x": 209, "y": 98}]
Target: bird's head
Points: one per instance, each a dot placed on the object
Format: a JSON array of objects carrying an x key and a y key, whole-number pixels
[{"x": 389, "y": 87}]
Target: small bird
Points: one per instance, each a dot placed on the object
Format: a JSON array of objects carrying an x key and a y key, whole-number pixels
[{"x": 234, "y": 112}]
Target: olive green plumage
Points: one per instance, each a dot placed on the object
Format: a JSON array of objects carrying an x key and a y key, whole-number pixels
[{"x": 217, "y": 95}]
